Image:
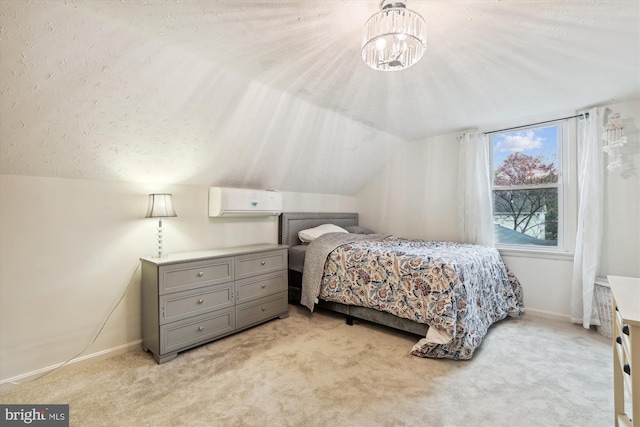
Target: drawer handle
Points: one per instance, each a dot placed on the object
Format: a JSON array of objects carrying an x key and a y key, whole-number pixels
[
  {"x": 627, "y": 369},
  {"x": 625, "y": 329},
  {"x": 264, "y": 285},
  {"x": 264, "y": 308},
  {"x": 201, "y": 328},
  {"x": 200, "y": 273},
  {"x": 263, "y": 263},
  {"x": 200, "y": 301},
  {"x": 619, "y": 339}
]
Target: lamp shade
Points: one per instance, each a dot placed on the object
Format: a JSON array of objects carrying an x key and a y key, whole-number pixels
[
  {"x": 394, "y": 38},
  {"x": 160, "y": 206}
]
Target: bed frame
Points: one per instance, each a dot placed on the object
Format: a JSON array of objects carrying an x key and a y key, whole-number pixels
[{"x": 289, "y": 225}]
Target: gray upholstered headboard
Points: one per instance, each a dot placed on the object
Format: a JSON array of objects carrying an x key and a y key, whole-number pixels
[{"x": 292, "y": 222}]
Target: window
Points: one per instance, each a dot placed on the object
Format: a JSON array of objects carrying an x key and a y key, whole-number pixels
[{"x": 528, "y": 193}]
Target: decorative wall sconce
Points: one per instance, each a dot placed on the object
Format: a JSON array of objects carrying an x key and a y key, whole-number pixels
[
  {"x": 160, "y": 206},
  {"x": 613, "y": 138}
]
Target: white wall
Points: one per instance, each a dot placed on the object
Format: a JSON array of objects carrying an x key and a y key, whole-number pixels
[
  {"x": 415, "y": 196},
  {"x": 621, "y": 238},
  {"x": 311, "y": 202},
  {"x": 69, "y": 248}
]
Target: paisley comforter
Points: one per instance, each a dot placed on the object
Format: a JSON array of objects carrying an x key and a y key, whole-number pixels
[{"x": 459, "y": 290}]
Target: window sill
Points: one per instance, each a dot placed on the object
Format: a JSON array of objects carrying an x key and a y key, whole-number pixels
[{"x": 532, "y": 253}]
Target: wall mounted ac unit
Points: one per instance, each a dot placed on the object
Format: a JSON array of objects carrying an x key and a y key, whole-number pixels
[{"x": 224, "y": 201}]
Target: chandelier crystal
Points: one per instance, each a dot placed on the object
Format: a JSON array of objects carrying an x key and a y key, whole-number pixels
[{"x": 394, "y": 38}]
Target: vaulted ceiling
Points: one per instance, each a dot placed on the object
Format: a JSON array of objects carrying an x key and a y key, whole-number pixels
[{"x": 273, "y": 94}]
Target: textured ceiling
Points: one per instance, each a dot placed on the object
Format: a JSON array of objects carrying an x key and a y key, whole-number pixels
[{"x": 273, "y": 94}]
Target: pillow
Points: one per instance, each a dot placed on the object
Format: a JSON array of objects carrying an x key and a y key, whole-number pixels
[
  {"x": 358, "y": 230},
  {"x": 311, "y": 234}
]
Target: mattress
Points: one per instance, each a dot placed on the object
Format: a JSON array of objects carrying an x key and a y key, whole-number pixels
[{"x": 296, "y": 257}]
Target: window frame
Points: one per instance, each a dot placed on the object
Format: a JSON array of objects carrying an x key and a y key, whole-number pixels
[{"x": 567, "y": 206}]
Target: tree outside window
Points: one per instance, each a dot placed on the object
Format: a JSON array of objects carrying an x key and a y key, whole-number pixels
[{"x": 526, "y": 186}]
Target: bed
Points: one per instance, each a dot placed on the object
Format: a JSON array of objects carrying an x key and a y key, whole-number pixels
[{"x": 448, "y": 293}]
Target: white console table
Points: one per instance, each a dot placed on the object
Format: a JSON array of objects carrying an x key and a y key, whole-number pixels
[{"x": 626, "y": 353}]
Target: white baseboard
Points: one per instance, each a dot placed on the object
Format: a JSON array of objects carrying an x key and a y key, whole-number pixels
[
  {"x": 12, "y": 382},
  {"x": 547, "y": 315}
]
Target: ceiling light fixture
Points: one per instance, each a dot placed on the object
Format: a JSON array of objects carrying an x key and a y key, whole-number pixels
[{"x": 394, "y": 38}]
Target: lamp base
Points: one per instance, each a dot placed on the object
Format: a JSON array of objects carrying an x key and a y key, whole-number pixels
[{"x": 159, "y": 253}]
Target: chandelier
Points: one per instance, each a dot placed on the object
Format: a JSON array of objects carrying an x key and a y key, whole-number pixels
[{"x": 394, "y": 38}]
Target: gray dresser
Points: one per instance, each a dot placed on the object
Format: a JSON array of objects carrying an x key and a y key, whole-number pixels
[{"x": 192, "y": 298}]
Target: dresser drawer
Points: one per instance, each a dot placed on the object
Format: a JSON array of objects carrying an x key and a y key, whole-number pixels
[
  {"x": 180, "y": 305},
  {"x": 261, "y": 309},
  {"x": 260, "y": 263},
  {"x": 194, "y": 330},
  {"x": 191, "y": 275},
  {"x": 260, "y": 286}
]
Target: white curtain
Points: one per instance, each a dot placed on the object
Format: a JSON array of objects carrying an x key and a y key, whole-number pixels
[
  {"x": 474, "y": 197},
  {"x": 590, "y": 207}
]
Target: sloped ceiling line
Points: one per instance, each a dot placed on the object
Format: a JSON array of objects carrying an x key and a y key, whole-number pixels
[{"x": 273, "y": 94}]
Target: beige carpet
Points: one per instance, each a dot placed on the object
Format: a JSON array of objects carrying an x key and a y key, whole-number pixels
[{"x": 317, "y": 371}]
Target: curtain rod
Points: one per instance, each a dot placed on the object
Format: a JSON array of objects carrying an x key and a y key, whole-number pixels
[{"x": 581, "y": 115}]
